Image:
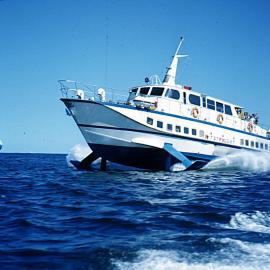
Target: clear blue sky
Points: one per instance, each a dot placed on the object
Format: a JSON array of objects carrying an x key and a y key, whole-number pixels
[{"x": 43, "y": 41}]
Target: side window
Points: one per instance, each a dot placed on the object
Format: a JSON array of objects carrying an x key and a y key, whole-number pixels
[
  {"x": 220, "y": 107},
  {"x": 185, "y": 97},
  {"x": 201, "y": 133},
  {"x": 257, "y": 145},
  {"x": 252, "y": 144},
  {"x": 178, "y": 129},
  {"x": 171, "y": 93},
  {"x": 195, "y": 100},
  {"x": 186, "y": 130},
  {"x": 211, "y": 104},
  {"x": 242, "y": 141},
  {"x": 194, "y": 131},
  {"x": 149, "y": 121},
  {"x": 228, "y": 109},
  {"x": 159, "y": 124},
  {"x": 204, "y": 101},
  {"x": 261, "y": 145},
  {"x": 266, "y": 146},
  {"x": 247, "y": 142},
  {"x": 169, "y": 127}
]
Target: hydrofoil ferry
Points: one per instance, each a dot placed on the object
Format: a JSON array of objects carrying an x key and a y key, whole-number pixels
[{"x": 160, "y": 124}]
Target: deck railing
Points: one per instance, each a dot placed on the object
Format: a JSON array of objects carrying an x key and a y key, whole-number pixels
[{"x": 78, "y": 90}]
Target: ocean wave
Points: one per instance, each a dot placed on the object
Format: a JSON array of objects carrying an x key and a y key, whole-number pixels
[
  {"x": 253, "y": 249},
  {"x": 171, "y": 260},
  {"x": 243, "y": 160},
  {"x": 252, "y": 222}
]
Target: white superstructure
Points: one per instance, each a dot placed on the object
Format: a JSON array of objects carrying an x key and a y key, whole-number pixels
[{"x": 161, "y": 124}]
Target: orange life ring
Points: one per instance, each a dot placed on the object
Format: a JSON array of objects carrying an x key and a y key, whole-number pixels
[
  {"x": 220, "y": 119},
  {"x": 195, "y": 112},
  {"x": 250, "y": 127}
]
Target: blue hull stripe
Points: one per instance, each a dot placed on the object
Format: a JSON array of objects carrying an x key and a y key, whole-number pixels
[{"x": 168, "y": 114}]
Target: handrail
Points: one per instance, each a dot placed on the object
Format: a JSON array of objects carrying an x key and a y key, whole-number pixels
[{"x": 79, "y": 90}]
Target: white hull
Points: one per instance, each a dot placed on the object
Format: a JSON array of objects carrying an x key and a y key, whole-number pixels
[{"x": 109, "y": 129}]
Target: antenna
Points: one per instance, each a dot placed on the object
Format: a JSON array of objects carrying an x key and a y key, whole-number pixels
[{"x": 170, "y": 76}]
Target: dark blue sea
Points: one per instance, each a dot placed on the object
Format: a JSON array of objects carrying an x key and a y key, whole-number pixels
[{"x": 54, "y": 217}]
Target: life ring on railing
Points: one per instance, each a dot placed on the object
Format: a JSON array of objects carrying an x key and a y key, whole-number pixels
[
  {"x": 195, "y": 112},
  {"x": 250, "y": 127},
  {"x": 220, "y": 119}
]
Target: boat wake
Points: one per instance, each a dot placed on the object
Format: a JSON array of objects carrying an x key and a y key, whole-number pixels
[
  {"x": 250, "y": 222},
  {"x": 231, "y": 255},
  {"x": 243, "y": 160}
]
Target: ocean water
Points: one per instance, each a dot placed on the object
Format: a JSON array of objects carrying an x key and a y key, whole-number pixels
[{"x": 54, "y": 217}]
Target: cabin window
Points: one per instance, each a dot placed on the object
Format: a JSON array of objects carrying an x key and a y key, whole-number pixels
[
  {"x": 157, "y": 91},
  {"x": 132, "y": 93},
  {"x": 177, "y": 128},
  {"x": 266, "y": 146},
  {"x": 194, "y": 132},
  {"x": 150, "y": 121},
  {"x": 204, "y": 101},
  {"x": 247, "y": 142},
  {"x": 169, "y": 127},
  {"x": 220, "y": 107},
  {"x": 185, "y": 97},
  {"x": 144, "y": 90},
  {"x": 211, "y": 104},
  {"x": 171, "y": 93},
  {"x": 186, "y": 130},
  {"x": 252, "y": 144},
  {"x": 257, "y": 145},
  {"x": 201, "y": 133},
  {"x": 228, "y": 109},
  {"x": 159, "y": 124},
  {"x": 195, "y": 100},
  {"x": 261, "y": 145},
  {"x": 242, "y": 141}
]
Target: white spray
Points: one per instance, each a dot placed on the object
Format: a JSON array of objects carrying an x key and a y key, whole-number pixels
[
  {"x": 78, "y": 152},
  {"x": 243, "y": 160}
]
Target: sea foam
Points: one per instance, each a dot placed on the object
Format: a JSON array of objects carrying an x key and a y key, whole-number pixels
[
  {"x": 243, "y": 160},
  {"x": 252, "y": 222},
  {"x": 78, "y": 152},
  {"x": 172, "y": 260}
]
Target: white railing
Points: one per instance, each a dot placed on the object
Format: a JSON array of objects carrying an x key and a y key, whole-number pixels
[{"x": 78, "y": 90}]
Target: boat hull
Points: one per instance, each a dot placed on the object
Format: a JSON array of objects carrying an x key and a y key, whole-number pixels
[{"x": 116, "y": 137}]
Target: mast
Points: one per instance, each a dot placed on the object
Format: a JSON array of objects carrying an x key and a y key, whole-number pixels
[{"x": 170, "y": 76}]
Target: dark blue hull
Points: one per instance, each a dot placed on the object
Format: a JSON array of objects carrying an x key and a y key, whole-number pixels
[{"x": 145, "y": 158}]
